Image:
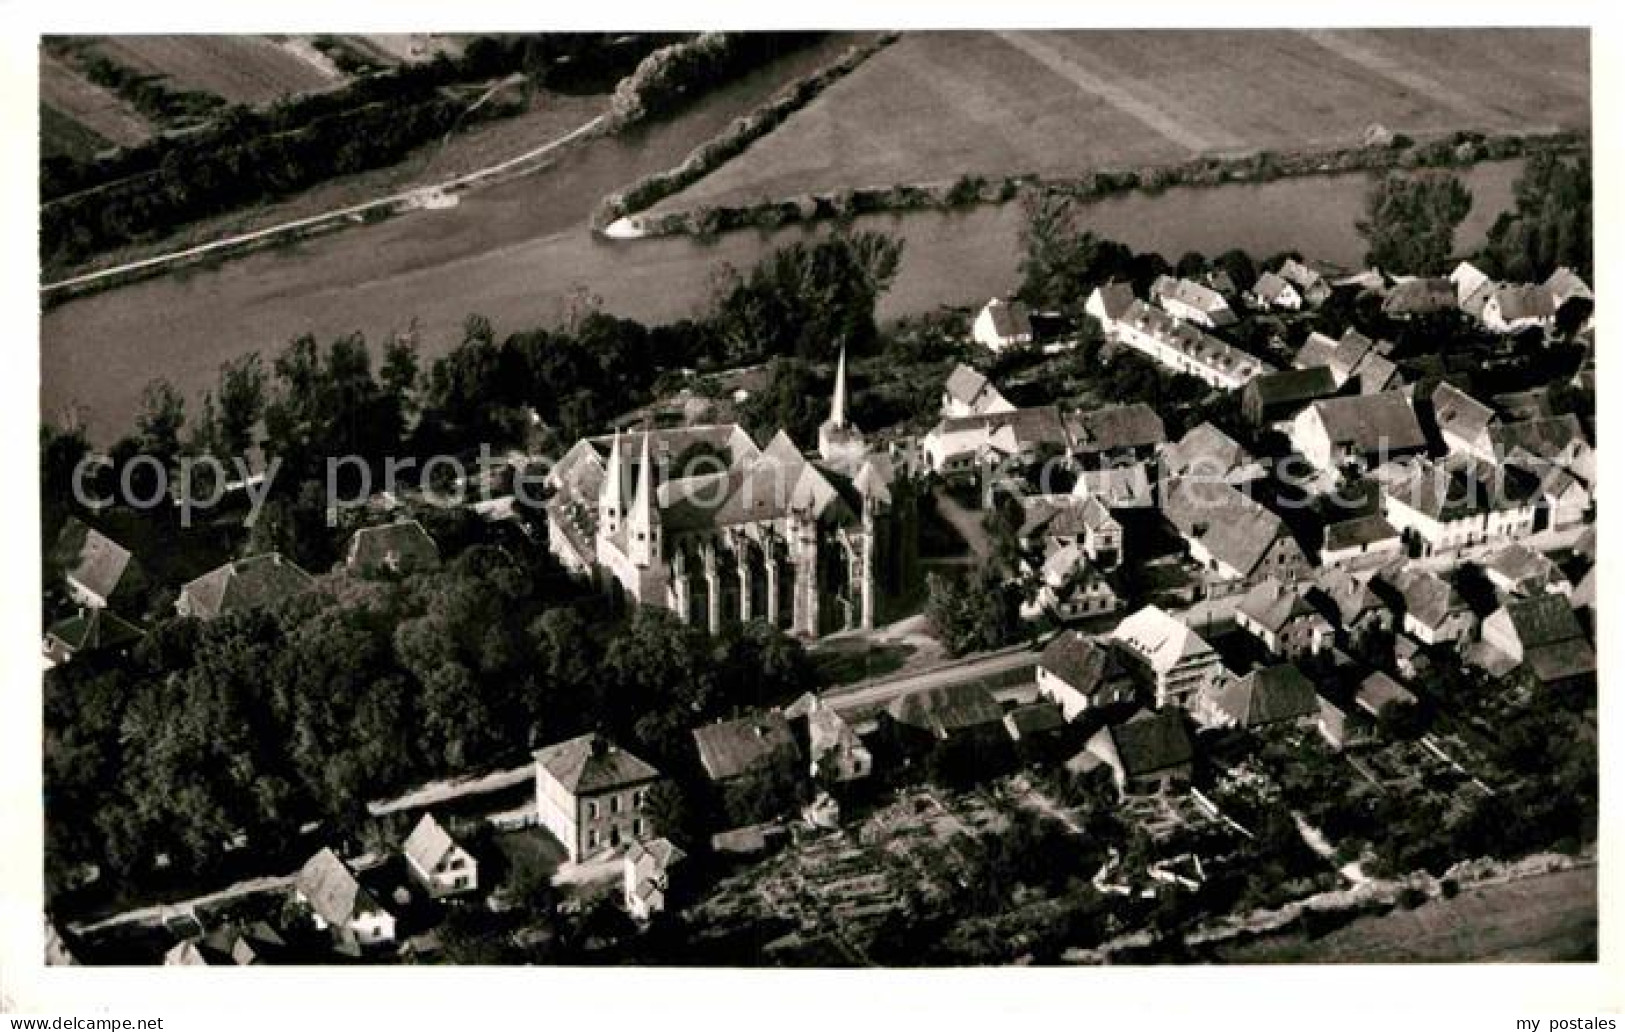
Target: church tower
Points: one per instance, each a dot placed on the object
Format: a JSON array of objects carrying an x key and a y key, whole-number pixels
[
  {"x": 612, "y": 494},
  {"x": 839, "y": 441},
  {"x": 643, "y": 522}
]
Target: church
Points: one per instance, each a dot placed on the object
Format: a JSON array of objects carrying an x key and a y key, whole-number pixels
[{"x": 701, "y": 521}]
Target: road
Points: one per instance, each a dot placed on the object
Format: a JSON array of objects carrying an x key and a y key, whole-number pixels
[
  {"x": 437, "y": 792},
  {"x": 876, "y": 694}
]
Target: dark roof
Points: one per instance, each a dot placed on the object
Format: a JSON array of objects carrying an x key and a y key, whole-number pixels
[
  {"x": 1269, "y": 695},
  {"x": 1460, "y": 489},
  {"x": 1573, "y": 657},
  {"x": 1117, "y": 487},
  {"x": 1526, "y": 568},
  {"x": 1150, "y": 742},
  {"x": 1546, "y": 438},
  {"x": 1083, "y": 662},
  {"x": 964, "y": 383},
  {"x": 1459, "y": 412},
  {"x": 1424, "y": 596},
  {"x": 1362, "y": 530},
  {"x": 590, "y": 763},
  {"x": 1270, "y": 286},
  {"x": 942, "y": 711},
  {"x": 1290, "y": 386},
  {"x": 1232, "y": 527},
  {"x": 1010, "y": 318},
  {"x": 1034, "y": 719},
  {"x": 1420, "y": 296},
  {"x": 92, "y": 559},
  {"x": 736, "y": 747},
  {"x": 259, "y": 580},
  {"x": 332, "y": 890},
  {"x": 1372, "y": 422},
  {"x": 1116, "y": 298},
  {"x": 1524, "y": 301},
  {"x": 1379, "y": 690},
  {"x": 1543, "y": 620},
  {"x": 1039, "y": 425},
  {"x": 93, "y": 629},
  {"x": 1120, "y": 426},
  {"x": 1273, "y": 605},
  {"x": 403, "y": 545},
  {"x": 1346, "y": 596}
]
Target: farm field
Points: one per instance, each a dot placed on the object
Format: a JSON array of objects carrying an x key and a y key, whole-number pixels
[
  {"x": 79, "y": 118},
  {"x": 936, "y": 105},
  {"x": 1542, "y": 919},
  {"x": 251, "y": 70}
]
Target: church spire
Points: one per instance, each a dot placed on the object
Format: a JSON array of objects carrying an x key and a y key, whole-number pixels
[
  {"x": 612, "y": 496},
  {"x": 837, "y": 409},
  {"x": 643, "y": 531}
]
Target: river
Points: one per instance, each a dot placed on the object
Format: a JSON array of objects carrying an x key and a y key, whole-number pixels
[{"x": 513, "y": 251}]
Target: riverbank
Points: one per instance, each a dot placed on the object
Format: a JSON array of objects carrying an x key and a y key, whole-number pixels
[{"x": 1452, "y": 151}]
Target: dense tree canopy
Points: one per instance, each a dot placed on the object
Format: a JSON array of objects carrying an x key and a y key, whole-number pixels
[
  {"x": 1410, "y": 222},
  {"x": 1549, "y": 225}
]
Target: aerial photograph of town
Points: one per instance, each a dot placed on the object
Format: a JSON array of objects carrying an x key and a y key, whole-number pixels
[{"x": 817, "y": 499}]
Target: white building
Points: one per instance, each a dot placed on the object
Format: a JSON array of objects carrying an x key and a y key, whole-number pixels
[
  {"x": 1002, "y": 324},
  {"x": 1180, "y": 663},
  {"x": 437, "y": 862},
  {"x": 1183, "y": 348}
]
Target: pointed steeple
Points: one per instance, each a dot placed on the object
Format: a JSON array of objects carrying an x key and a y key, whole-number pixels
[
  {"x": 642, "y": 524},
  {"x": 612, "y": 496},
  {"x": 837, "y": 409}
]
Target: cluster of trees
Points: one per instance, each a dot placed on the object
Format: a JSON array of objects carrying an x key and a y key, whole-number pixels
[
  {"x": 1549, "y": 225},
  {"x": 246, "y": 156},
  {"x": 974, "y": 612},
  {"x": 256, "y": 722},
  {"x": 667, "y": 78},
  {"x": 1060, "y": 259},
  {"x": 1410, "y": 222}
]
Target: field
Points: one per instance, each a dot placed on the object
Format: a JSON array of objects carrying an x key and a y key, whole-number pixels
[
  {"x": 250, "y": 70},
  {"x": 1547, "y": 918},
  {"x": 79, "y": 118},
  {"x": 937, "y": 105}
]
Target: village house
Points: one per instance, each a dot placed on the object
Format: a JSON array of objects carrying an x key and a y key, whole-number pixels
[
  {"x": 1283, "y": 619},
  {"x": 966, "y": 712},
  {"x": 1118, "y": 488},
  {"x": 1429, "y": 609},
  {"x": 1278, "y": 397},
  {"x": 1271, "y": 290},
  {"x": 1080, "y": 673},
  {"x": 1464, "y": 422},
  {"x": 1071, "y": 587},
  {"x": 1361, "y": 543},
  {"x": 1559, "y": 440},
  {"x": 835, "y": 753},
  {"x": 1517, "y": 307},
  {"x": 591, "y": 794},
  {"x": 1229, "y": 535},
  {"x": 1362, "y": 431},
  {"x": 246, "y": 584},
  {"x": 1264, "y": 697},
  {"x": 1311, "y": 285},
  {"x": 1115, "y": 436},
  {"x": 1184, "y": 348},
  {"x": 731, "y": 749},
  {"x": 1002, "y": 324},
  {"x": 965, "y": 444},
  {"x": 1064, "y": 520},
  {"x": 1352, "y": 358},
  {"x": 968, "y": 393},
  {"x": 1350, "y": 716},
  {"x": 1520, "y": 570},
  {"x": 1145, "y": 754},
  {"x": 96, "y": 569},
  {"x": 1191, "y": 302},
  {"x": 1359, "y": 615},
  {"x": 1565, "y": 285},
  {"x": 1177, "y": 663},
  {"x": 88, "y": 631},
  {"x": 437, "y": 863},
  {"x": 1206, "y": 452},
  {"x": 230, "y": 945},
  {"x": 1473, "y": 288},
  {"x": 1544, "y": 636},
  {"x": 340, "y": 904},
  {"x": 397, "y": 548},
  {"x": 1108, "y": 303},
  {"x": 1419, "y": 295},
  {"x": 1457, "y": 503},
  {"x": 646, "y": 876}
]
